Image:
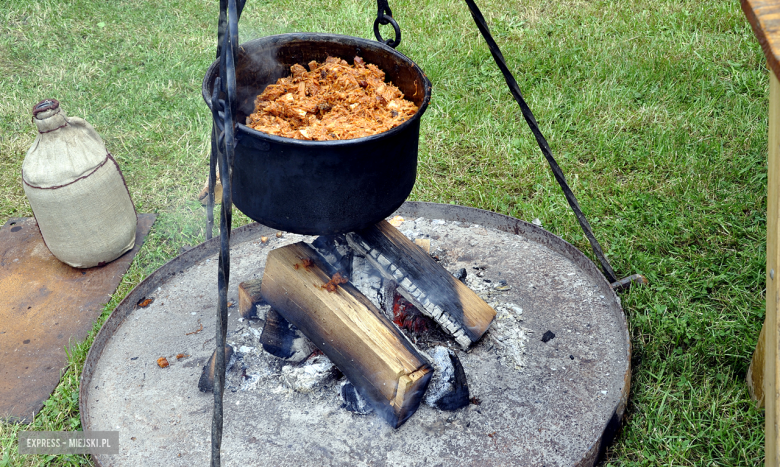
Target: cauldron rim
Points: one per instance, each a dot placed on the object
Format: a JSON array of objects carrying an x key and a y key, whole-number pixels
[{"x": 316, "y": 36}]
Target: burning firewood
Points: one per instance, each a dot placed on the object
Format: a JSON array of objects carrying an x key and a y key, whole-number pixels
[
  {"x": 281, "y": 340},
  {"x": 206, "y": 382},
  {"x": 248, "y": 299},
  {"x": 352, "y": 400},
  {"x": 336, "y": 252},
  {"x": 424, "y": 282},
  {"x": 372, "y": 353},
  {"x": 449, "y": 389}
]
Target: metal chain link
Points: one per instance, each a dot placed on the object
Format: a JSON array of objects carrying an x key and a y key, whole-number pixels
[{"x": 384, "y": 16}]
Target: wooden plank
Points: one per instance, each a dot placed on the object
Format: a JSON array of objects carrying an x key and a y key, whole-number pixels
[
  {"x": 772, "y": 262},
  {"x": 764, "y": 17},
  {"x": 424, "y": 282},
  {"x": 371, "y": 352},
  {"x": 248, "y": 298},
  {"x": 755, "y": 374}
]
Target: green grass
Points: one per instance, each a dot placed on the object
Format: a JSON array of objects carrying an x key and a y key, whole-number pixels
[{"x": 656, "y": 111}]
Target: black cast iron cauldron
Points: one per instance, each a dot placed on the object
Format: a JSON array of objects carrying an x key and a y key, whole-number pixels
[{"x": 320, "y": 187}]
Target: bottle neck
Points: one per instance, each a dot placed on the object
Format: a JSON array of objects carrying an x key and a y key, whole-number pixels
[{"x": 50, "y": 120}]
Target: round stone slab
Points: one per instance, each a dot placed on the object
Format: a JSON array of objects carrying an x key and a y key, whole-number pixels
[{"x": 549, "y": 379}]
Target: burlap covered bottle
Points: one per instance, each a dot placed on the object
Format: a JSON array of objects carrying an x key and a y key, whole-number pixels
[{"x": 76, "y": 190}]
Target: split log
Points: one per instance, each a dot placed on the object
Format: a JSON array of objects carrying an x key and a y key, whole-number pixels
[
  {"x": 424, "y": 282},
  {"x": 449, "y": 389},
  {"x": 248, "y": 299},
  {"x": 352, "y": 400},
  {"x": 206, "y": 382},
  {"x": 336, "y": 252},
  {"x": 281, "y": 339},
  {"x": 424, "y": 243},
  {"x": 372, "y": 353}
]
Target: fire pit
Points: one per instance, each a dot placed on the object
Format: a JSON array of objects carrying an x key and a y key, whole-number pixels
[
  {"x": 549, "y": 378},
  {"x": 547, "y": 299}
]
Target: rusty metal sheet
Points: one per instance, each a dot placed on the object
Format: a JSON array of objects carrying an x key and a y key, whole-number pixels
[{"x": 46, "y": 306}]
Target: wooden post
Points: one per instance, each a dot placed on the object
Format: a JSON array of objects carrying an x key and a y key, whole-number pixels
[
  {"x": 771, "y": 333},
  {"x": 764, "y": 18},
  {"x": 755, "y": 374},
  {"x": 762, "y": 377}
]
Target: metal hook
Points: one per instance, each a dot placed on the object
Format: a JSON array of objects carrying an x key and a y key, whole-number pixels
[
  {"x": 384, "y": 20},
  {"x": 384, "y": 16}
]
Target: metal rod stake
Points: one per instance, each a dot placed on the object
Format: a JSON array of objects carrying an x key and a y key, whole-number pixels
[{"x": 531, "y": 121}]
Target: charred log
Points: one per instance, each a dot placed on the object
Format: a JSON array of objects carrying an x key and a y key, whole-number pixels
[
  {"x": 336, "y": 252},
  {"x": 425, "y": 283},
  {"x": 448, "y": 389},
  {"x": 283, "y": 340},
  {"x": 206, "y": 382},
  {"x": 372, "y": 353},
  {"x": 248, "y": 299},
  {"x": 461, "y": 275},
  {"x": 353, "y": 401}
]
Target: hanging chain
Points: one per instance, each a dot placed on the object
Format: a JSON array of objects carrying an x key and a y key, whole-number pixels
[{"x": 384, "y": 16}]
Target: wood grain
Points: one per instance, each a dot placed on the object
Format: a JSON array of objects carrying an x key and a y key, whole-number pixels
[
  {"x": 764, "y": 17},
  {"x": 424, "y": 282},
  {"x": 772, "y": 261},
  {"x": 371, "y": 352}
]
